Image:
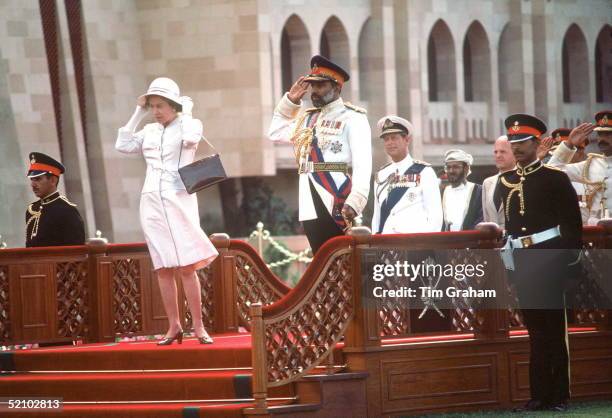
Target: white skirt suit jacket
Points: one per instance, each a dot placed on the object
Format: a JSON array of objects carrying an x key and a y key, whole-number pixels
[{"x": 168, "y": 214}]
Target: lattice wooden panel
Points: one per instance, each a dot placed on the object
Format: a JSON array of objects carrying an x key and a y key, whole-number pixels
[
  {"x": 252, "y": 287},
  {"x": 304, "y": 337},
  {"x": 394, "y": 319},
  {"x": 208, "y": 297},
  {"x": 466, "y": 316},
  {"x": 588, "y": 296},
  {"x": 5, "y": 320},
  {"x": 72, "y": 296},
  {"x": 126, "y": 296}
]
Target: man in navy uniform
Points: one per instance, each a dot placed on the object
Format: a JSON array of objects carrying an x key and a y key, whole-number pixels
[
  {"x": 541, "y": 213},
  {"x": 52, "y": 220},
  {"x": 406, "y": 191},
  {"x": 327, "y": 140}
]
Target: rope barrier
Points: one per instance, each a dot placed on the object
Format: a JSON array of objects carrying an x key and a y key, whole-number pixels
[{"x": 261, "y": 234}]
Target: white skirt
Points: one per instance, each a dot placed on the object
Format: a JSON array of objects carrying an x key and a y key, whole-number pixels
[{"x": 171, "y": 225}]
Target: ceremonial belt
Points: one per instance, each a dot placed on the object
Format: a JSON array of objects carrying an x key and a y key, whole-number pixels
[
  {"x": 312, "y": 167},
  {"x": 325, "y": 179},
  {"x": 525, "y": 242},
  {"x": 537, "y": 238}
]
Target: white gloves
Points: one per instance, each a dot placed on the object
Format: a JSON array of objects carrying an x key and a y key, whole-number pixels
[
  {"x": 187, "y": 104},
  {"x": 136, "y": 118}
]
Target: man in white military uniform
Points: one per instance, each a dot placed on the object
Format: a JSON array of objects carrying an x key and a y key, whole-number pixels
[
  {"x": 406, "y": 191},
  {"x": 562, "y": 134},
  {"x": 596, "y": 171},
  {"x": 504, "y": 161},
  {"x": 326, "y": 139}
]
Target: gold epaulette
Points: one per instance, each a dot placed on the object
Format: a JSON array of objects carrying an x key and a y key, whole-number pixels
[
  {"x": 422, "y": 162},
  {"x": 357, "y": 109},
  {"x": 595, "y": 155},
  {"x": 65, "y": 199}
]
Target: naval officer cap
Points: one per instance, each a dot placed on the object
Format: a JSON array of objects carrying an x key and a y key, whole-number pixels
[
  {"x": 458, "y": 155},
  {"x": 603, "y": 120},
  {"x": 322, "y": 69},
  {"x": 394, "y": 124},
  {"x": 43, "y": 164},
  {"x": 522, "y": 127}
]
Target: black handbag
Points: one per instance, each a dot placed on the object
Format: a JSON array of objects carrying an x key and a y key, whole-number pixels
[{"x": 202, "y": 173}]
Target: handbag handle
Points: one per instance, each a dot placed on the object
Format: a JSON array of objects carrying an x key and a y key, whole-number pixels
[{"x": 181, "y": 150}]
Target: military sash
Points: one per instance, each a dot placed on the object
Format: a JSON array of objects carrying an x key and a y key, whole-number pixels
[
  {"x": 325, "y": 179},
  {"x": 396, "y": 194}
]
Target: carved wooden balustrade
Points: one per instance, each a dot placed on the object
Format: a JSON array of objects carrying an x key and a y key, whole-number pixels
[
  {"x": 292, "y": 336},
  {"x": 96, "y": 292}
]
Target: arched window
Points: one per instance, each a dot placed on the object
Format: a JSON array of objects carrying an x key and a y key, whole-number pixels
[
  {"x": 476, "y": 64},
  {"x": 370, "y": 61},
  {"x": 295, "y": 51},
  {"x": 574, "y": 66},
  {"x": 334, "y": 43},
  {"x": 441, "y": 64},
  {"x": 603, "y": 65},
  {"x": 506, "y": 55}
]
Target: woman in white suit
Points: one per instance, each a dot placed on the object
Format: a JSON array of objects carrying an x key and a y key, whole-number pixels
[{"x": 168, "y": 214}]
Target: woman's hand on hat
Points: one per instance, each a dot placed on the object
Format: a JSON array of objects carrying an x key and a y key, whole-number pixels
[
  {"x": 187, "y": 104},
  {"x": 580, "y": 133},
  {"x": 298, "y": 90}
]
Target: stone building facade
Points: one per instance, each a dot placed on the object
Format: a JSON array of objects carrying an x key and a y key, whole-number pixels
[{"x": 70, "y": 71}]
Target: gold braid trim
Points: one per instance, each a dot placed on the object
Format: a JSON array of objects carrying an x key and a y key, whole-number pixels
[
  {"x": 592, "y": 187},
  {"x": 302, "y": 138},
  {"x": 514, "y": 188},
  {"x": 34, "y": 218}
]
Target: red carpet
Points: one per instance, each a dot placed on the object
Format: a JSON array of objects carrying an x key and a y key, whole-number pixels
[
  {"x": 187, "y": 380},
  {"x": 140, "y": 379}
]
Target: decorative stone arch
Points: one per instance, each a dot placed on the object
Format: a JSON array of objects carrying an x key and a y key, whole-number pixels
[
  {"x": 370, "y": 56},
  {"x": 441, "y": 63},
  {"x": 506, "y": 55},
  {"x": 295, "y": 50},
  {"x": 603, "y": 65},
  {"x": 575, "y": 66},
  {"x": 476, "y": 64},
  {"x": 334, "y": 45}
]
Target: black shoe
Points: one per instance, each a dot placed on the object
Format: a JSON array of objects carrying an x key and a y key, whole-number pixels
[
  {"x": 169, "y": 340},
  {"x": 559, "y": 406},
  {"x": 532, "y": 405}
]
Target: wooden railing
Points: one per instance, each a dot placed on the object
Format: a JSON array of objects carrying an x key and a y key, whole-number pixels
[
  {"x": 293, "y": 335},
  {"x": 97, "y": 292}
]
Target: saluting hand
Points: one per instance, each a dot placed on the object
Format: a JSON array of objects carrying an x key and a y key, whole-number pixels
[
  {"x": 544, "y": 146},
  {"x": 298, "y": 90},
  {"x": 579, "y": 134}
]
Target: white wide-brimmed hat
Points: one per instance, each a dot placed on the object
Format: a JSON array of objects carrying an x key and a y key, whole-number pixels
[{"x": 164, "y": 87}]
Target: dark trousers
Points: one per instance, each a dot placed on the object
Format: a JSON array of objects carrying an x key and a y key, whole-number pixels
[
  {"x": 548, "y": 357},
  {"x": 319, "y": 230},
  {"x": 539, "y": 279}
]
